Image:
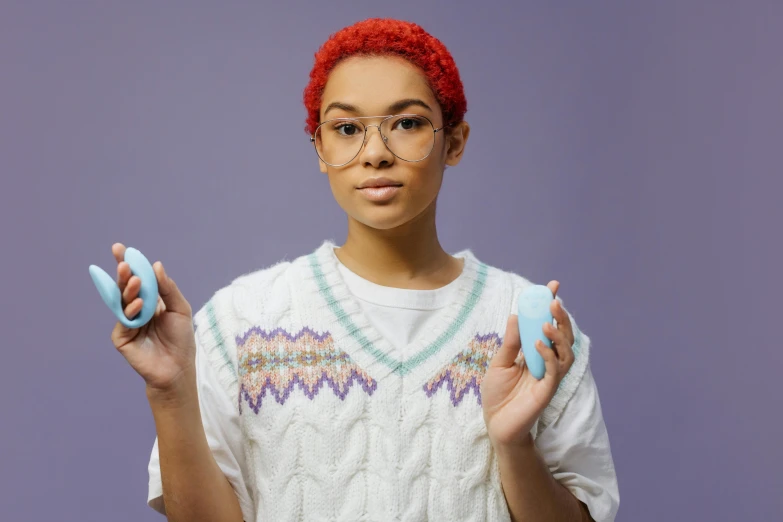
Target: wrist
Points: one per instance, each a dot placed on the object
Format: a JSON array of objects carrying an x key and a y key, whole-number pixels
[
  {"x": 522, "y": 444},
  {"x": 181, "y": 392}
]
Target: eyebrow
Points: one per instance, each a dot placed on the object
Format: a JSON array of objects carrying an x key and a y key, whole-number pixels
[{"x": 393, "y": 108}]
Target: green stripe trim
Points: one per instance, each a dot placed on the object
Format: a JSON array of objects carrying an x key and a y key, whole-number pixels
[
  {"x": 219, "y": 341},
  {"x": 448, "y": 335},
  {"x": 354, "y": 331},
  {"x": 344, "y": 318}
]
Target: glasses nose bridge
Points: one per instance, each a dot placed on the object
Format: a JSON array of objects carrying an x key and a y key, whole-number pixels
[{"x": 380, "y": 132}]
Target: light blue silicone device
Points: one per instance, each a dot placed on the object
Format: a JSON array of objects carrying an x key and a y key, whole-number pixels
[
  {"x": 533, "y": 312},
  {"x": 110, "y": 292}
]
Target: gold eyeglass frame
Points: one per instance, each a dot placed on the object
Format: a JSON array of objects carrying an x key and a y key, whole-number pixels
[{"x": 383, "y": 138}]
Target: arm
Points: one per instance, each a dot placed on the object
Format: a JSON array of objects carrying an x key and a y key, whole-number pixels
[
  {"x": 194, "y": 487},
  {"x": 531, "y": 492}
]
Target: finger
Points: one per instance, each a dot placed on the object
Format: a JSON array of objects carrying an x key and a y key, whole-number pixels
[
  {"x": 132, "y": 289},
  {"x": 554, "y": 286},
  {"x": 123, "y": 275},
  {"x": 123, "y": 268},
  {"x": 134, "y": 308},
  {"x": 555, "y": 336},
  {"x": 122, "y": 335},
  {"x": 563, "y": 320},
  {"x": 550, "y": 359},
  {"x": 560, "y": 344},
  {"x": 160, "y": 308},
  {"x": 566, "y": 357},
  {"x": 509, "y": 350},
  {"x": 173, "y": 299},
  {"x": 118, "y": 250}
]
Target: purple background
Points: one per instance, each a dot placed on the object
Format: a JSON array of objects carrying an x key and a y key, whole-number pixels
[{"x": 630, "y": 151}]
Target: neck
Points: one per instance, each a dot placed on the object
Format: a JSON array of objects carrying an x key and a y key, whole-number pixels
[{"x": 409, "y": 256}]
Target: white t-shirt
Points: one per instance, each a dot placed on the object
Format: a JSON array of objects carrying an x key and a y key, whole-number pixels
[
  {"x": 576, "y": 445},
  {"x": 397, "y": 313}
]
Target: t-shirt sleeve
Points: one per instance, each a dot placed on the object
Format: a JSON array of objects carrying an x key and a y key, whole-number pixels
[
  {"x": 577, "y": 451},
  {"x": 220, "y": 417}
]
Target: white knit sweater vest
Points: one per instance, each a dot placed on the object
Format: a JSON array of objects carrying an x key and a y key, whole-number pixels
[{"x": 335, "y": 428}]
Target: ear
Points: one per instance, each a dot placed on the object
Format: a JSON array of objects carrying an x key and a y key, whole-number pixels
[
  {"x": 321, "y": 164},
  {"x": 456, "y": 139}
]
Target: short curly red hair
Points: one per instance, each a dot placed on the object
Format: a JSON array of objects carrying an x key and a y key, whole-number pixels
[{"x": 380, "y": 37}]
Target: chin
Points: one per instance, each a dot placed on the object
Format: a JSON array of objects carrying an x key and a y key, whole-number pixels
[
  {"x": 382, "y": 218},
  {"x": 383, "y": 224}
]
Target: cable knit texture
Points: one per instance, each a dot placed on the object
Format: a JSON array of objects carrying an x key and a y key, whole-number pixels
[{"x": 335, "y": 427}]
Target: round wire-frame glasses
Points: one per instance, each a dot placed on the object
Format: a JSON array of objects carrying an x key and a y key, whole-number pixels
[{"x": 384, "y": 138}]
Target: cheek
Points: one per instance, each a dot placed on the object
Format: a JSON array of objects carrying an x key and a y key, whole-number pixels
[
  {"x": 334, "y": 183},
  {"x": 426, "y": 181},
  {"x": 342, "y": 191}
]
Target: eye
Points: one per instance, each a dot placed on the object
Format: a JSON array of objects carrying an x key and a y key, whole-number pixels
[
  {"x": 346, "y": 129},
  {"x": 407, "y": 124}
]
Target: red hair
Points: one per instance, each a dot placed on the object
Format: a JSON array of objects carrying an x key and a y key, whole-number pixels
[{"x": 383, "y": 37}]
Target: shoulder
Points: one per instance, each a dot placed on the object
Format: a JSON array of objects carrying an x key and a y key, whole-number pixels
[
  {"x": 261, "y": 293},
  {"x": 260, "y": 298},
  {"x": 251, "y": 294},
  {"x": 502, "y": 282}
]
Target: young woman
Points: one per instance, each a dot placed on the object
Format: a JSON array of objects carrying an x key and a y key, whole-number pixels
[{"x": 381, "y": 379}]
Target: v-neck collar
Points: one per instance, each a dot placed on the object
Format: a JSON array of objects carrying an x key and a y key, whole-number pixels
[{"x": 357, "y": 336}]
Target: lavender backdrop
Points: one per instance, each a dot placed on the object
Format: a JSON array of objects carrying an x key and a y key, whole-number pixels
[{"x": 630, "y": 150}]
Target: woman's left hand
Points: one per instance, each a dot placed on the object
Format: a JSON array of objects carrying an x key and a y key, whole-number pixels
[{"x": 512, "y": 399}]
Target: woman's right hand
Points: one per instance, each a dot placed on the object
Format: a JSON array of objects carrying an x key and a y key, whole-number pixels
[{"x": 162, "y": 351}]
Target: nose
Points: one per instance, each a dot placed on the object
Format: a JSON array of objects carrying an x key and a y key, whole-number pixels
[{"x": 375, "y": 153}]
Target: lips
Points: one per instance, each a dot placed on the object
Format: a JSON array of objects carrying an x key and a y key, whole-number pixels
[
  {"x": 379, "y": 183},
  {"x": 380, "y": 190}
]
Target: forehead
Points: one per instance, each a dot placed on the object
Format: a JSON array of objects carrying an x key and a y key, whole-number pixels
[{"x": 374, "y": 83}]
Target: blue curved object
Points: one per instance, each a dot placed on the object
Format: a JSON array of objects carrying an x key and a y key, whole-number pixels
[
  {"x": 110, "y": 292},
  {"x": 533, "y": 312}
]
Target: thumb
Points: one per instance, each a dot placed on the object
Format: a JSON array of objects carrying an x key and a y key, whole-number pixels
[
  {"x": 169, "y": 293},
  {"x": 509, "y": 350}
]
